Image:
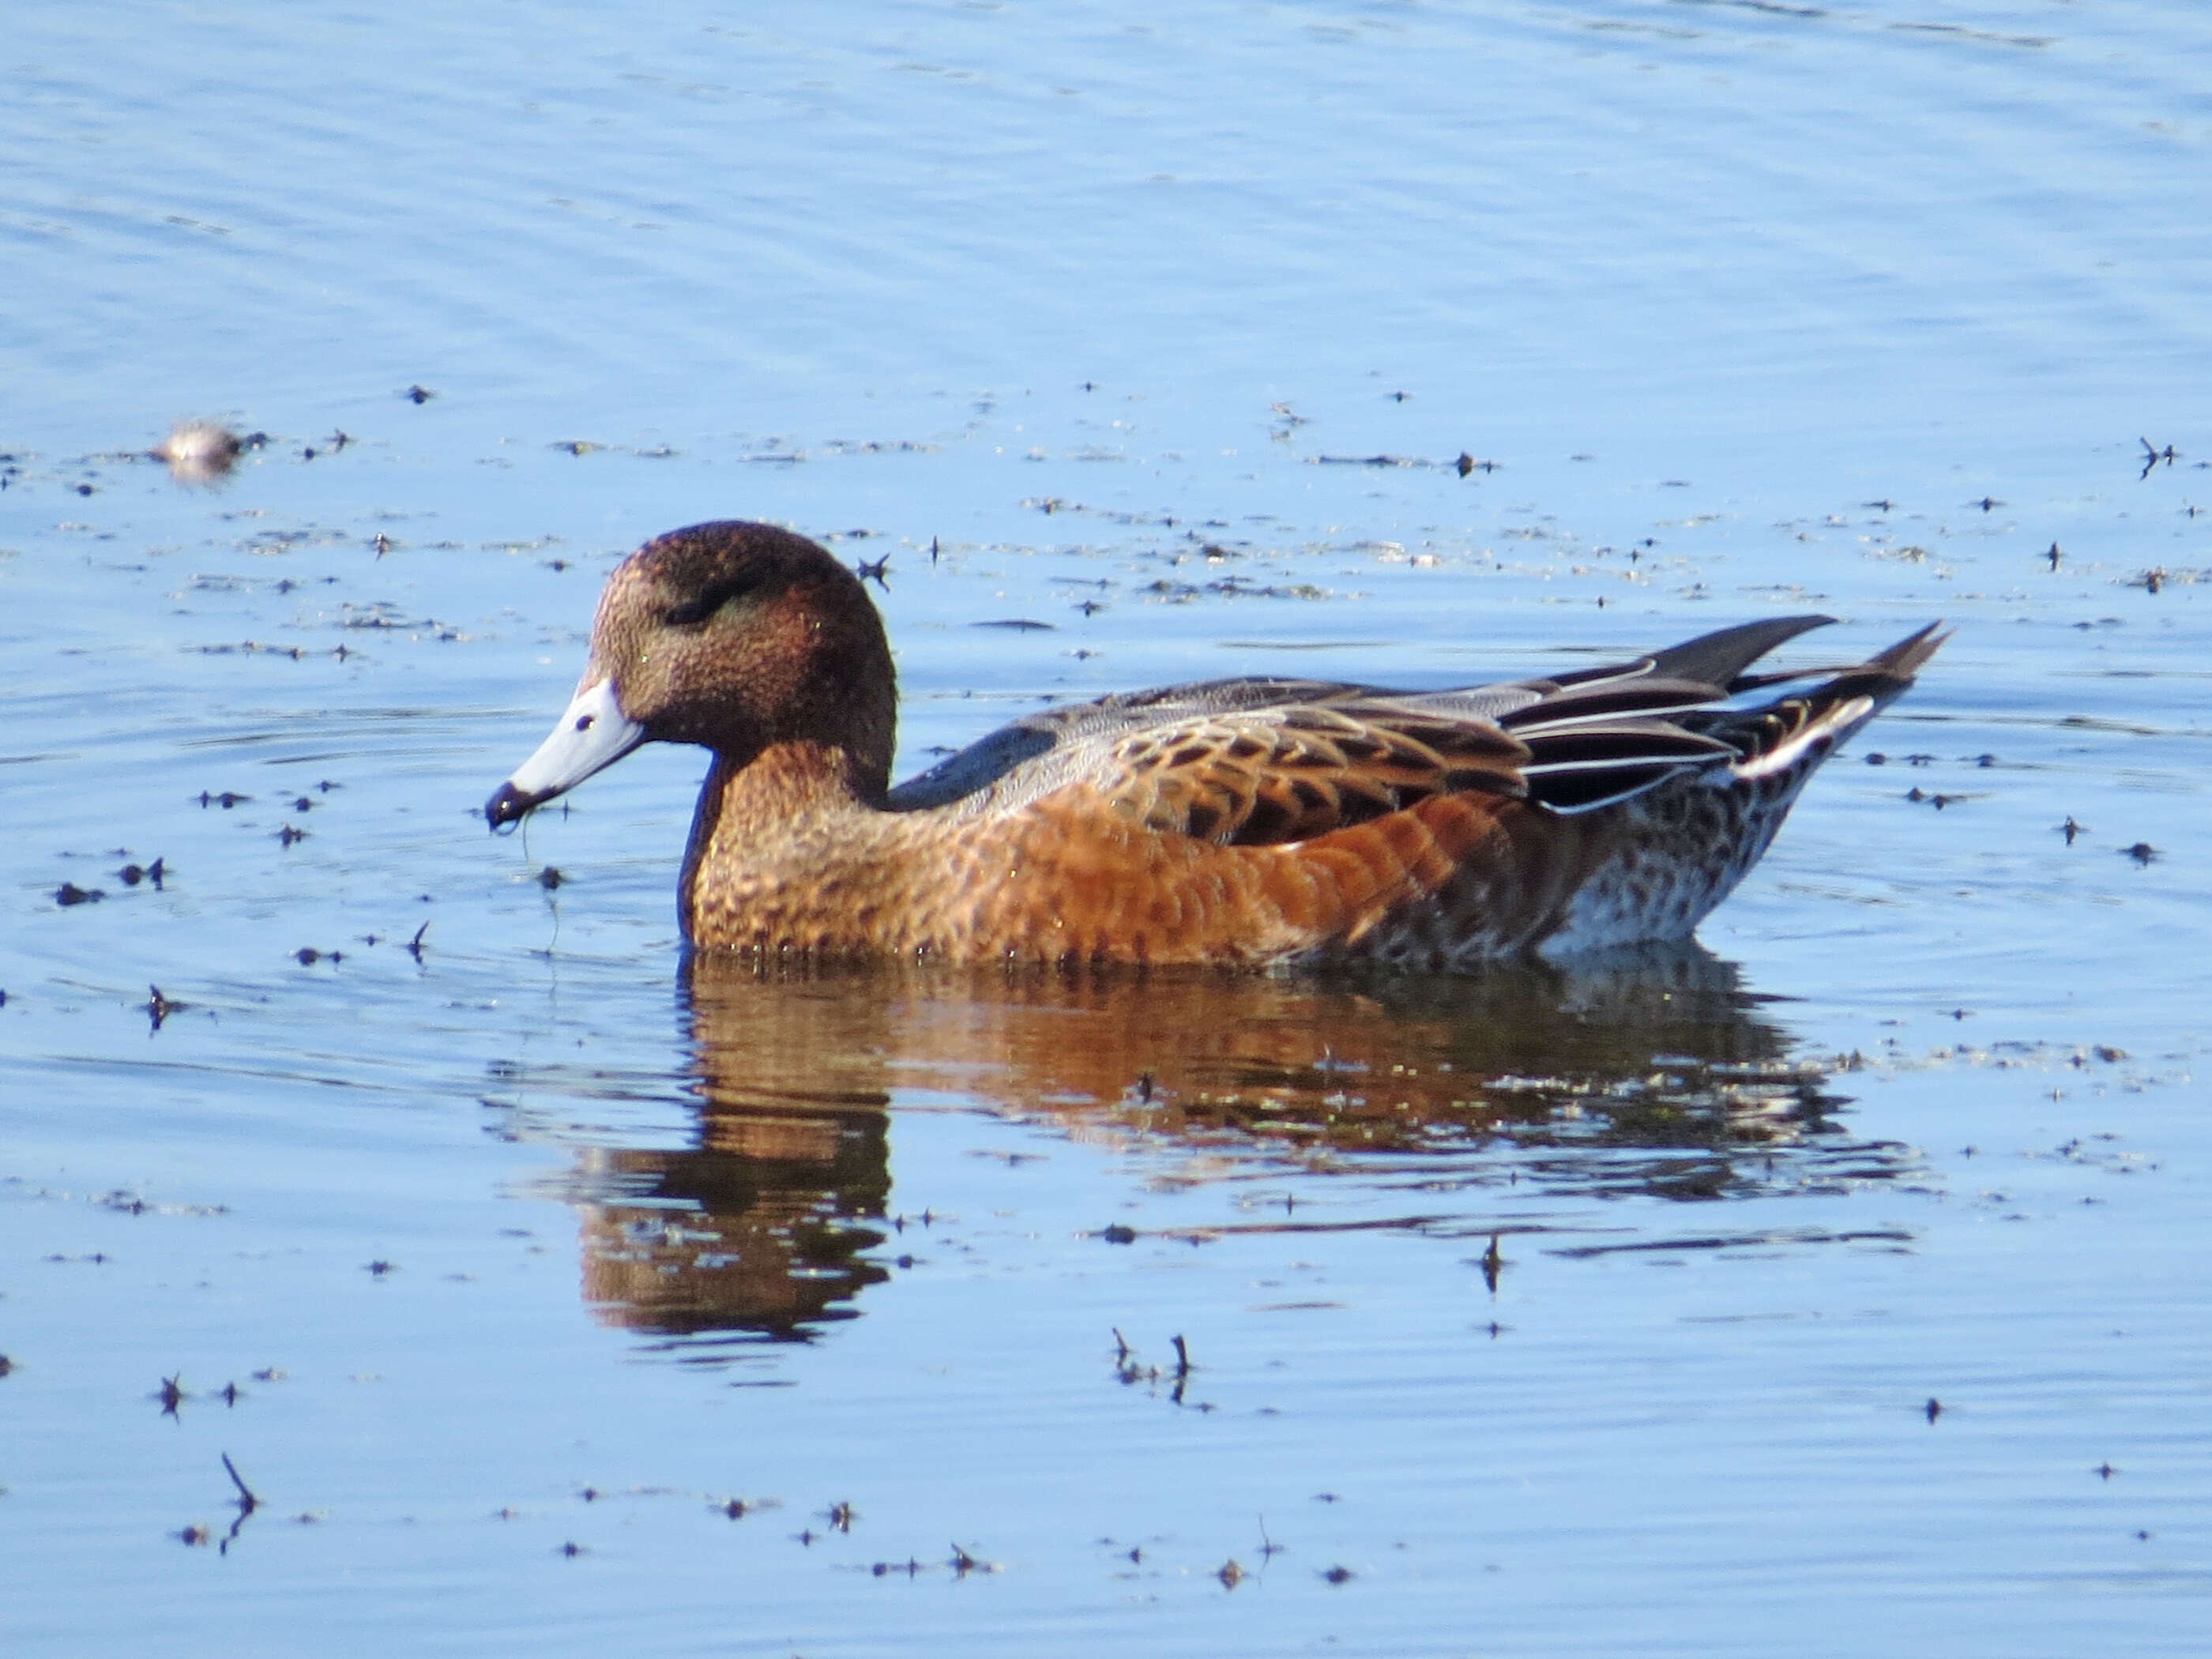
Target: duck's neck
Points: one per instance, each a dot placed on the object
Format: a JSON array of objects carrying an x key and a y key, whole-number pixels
[{"x": 791, "y": 809}]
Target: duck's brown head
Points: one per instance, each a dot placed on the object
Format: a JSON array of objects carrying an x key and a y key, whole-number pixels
[{"x": 739, "y": 636}]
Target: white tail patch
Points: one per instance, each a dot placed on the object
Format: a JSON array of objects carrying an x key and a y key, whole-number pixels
[{"x": 1832, "y": 726}]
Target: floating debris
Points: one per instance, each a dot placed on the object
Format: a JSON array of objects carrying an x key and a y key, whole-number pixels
[
  {"x": 964, "y": 1562},
  {"x": 199, "y": 452},
  {"x": 157, "y": 1007}
]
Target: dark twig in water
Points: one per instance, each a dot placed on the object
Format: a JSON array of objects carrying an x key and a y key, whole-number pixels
[
  {"x": 1126, "y": 1368},
  {"x": 1268, "y": 1547},
  {"x": 247, "y": 1503}
]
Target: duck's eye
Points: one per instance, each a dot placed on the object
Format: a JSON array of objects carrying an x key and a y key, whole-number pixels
[
  {"x": 688, "y": 613},
  {"x": 691, "y": 612},
  {"x": 584, "y": 722}
]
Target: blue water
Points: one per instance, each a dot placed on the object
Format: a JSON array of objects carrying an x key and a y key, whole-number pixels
[{"x": 1164, "y": 327}]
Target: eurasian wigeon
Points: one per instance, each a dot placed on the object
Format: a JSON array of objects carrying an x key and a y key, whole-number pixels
[{"x": 1260, "y": 821}]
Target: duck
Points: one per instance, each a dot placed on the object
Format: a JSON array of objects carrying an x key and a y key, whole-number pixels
[{"x": 1263, "y": 822}]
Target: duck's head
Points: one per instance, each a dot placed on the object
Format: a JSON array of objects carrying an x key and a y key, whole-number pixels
[{"x": 739, "y": 636}]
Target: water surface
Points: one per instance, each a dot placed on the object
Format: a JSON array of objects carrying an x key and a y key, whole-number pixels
[{"x": 1833, "y": 1285}]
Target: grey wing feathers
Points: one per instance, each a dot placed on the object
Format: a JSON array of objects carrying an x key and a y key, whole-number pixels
[
  {"x": 977, "y": 767},
  {"x": 1719, "y": 658}
]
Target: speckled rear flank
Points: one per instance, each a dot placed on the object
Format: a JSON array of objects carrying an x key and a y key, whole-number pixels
[{"x": 1675, "y": 852}]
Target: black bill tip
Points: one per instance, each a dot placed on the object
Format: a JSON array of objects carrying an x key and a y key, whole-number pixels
[{"x": 508, "y": 806}]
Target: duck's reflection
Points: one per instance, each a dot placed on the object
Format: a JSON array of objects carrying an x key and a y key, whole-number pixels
[
  {"x": 1654, "y": 1075},
  {"x": 763, "y": 1231}
]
